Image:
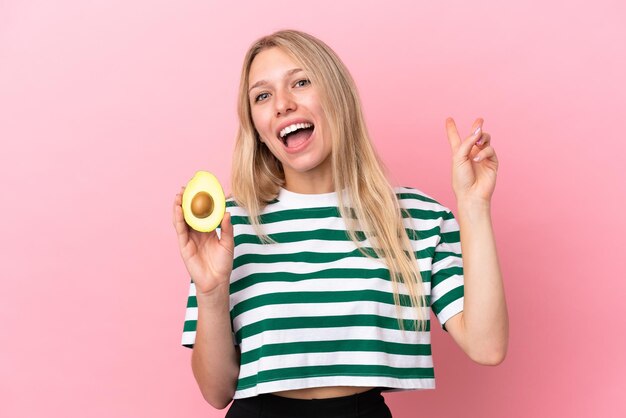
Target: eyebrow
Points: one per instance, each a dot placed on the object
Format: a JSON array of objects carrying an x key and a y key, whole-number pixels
[{"x": 262, "y": 82}]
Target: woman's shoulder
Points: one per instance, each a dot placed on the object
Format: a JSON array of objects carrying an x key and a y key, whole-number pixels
[
  {"x": 230, "y": 201},
  {"x": 237, "y": 209},
  {"x": 411, "y": 197},
  {"x": 424, "y": 211},
  {"x": 234, "y": 208}
]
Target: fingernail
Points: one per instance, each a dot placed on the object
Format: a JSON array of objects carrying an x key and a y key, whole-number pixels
[
  {"x": 477, "y": 131},
  {"x": 476, "y": 158}
]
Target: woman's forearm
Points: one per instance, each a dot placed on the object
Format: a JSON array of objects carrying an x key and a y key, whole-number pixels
[
  {"x": 485, "y": 316},
  {"x": 215, "y": 361}
]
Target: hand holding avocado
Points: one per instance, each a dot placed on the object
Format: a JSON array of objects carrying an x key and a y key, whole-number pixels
[{"x": 208, "y": 259}]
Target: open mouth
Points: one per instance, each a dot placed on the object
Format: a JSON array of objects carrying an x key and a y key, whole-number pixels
[{"x": 296, "y": 134}]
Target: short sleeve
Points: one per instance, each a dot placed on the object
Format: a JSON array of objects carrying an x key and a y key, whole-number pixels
[
  {"x": 447, "y": 271},
  {"x": 191, "y": 318}
]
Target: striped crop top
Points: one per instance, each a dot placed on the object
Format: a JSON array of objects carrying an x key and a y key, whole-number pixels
[{"x": 311, "y": 310}]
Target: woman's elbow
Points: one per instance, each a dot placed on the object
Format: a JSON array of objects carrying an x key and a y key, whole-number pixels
[
  {"x": 217, "y": 400},
  {"x": 219, "y": 404},
  {"x": 491, "y": 357},
  {"x": 217, "y": 394}
]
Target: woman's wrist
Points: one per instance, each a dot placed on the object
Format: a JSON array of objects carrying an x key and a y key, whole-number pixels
[
  {"x": 217, "y": 296},
  {"x": 474, "y": 204}
]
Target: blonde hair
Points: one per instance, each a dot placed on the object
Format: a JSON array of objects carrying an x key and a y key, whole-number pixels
[{"x": 372, "y": 206}]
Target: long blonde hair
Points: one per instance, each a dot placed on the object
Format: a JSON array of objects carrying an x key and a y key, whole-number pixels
[{"x": 371, "y": 206}]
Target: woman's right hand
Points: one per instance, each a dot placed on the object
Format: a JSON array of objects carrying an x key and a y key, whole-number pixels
[{"x": 209, "y": 259}]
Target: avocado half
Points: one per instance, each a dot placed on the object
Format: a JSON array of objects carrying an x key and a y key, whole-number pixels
[{"x": 203, "y": 202}]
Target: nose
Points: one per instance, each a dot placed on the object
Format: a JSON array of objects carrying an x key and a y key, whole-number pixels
[{"x": 284, "y": 102}]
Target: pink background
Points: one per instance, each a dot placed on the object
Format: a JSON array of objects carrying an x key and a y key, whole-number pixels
[{"x": 108, "y": 107}]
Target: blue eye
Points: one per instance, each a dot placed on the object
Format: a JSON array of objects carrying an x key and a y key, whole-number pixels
[
  {"x": 257, "y": 98},
  {"x": 307, "y": 81}
]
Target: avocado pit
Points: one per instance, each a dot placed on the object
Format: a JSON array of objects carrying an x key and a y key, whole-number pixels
[{"x": 202, "y": 205}]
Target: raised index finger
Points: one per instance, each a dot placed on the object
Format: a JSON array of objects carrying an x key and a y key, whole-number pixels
[{"x": 453, "y": 134}]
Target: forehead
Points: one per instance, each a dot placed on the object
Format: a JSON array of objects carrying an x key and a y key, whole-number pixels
[{"x": 271, "y": 63}]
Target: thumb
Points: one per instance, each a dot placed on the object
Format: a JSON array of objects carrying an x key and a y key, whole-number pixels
[{"x": 226, "y": 236}]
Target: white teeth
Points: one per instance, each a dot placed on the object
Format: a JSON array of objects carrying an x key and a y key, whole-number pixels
[{"x": 293, "y": 127}]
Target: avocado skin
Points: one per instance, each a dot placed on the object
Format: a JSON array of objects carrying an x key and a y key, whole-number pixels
[{"x": 203, "y": 181}]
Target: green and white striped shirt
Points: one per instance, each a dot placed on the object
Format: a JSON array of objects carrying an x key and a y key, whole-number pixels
[{"x": 312, "y": 311}]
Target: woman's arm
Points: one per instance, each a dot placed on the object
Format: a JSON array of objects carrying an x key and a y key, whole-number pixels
[
  {"x": 209, "y": 261},
  {"x": 482, "y": 329},
  {"x": 215, "y": 361}
]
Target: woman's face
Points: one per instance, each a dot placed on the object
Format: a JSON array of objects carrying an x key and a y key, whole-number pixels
[{"x": 282, "y": 99}]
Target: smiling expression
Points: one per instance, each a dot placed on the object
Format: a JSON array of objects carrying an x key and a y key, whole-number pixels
[{"x": 282, "y": 99}]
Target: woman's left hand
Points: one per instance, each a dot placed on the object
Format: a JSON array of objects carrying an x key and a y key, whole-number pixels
[{"x": 474, "y": 163}]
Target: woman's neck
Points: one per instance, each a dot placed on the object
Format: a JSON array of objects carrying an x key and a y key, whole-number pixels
[{"x": 308, "y": 183}]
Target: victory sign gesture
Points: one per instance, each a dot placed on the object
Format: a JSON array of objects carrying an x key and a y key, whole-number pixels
[{"x": 474, "y": 163}]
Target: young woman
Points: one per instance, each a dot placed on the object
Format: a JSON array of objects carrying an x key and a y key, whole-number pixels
[{"x": 315, "y": 296}]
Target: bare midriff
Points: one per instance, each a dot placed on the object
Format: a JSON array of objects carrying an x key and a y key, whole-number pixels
[{"x": 322, "y": 392}]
